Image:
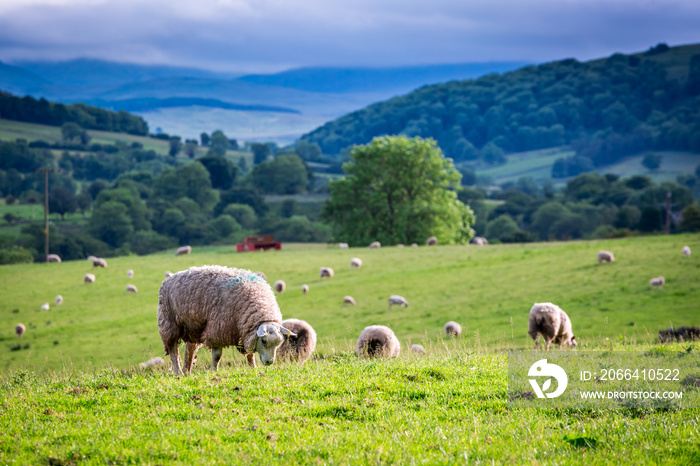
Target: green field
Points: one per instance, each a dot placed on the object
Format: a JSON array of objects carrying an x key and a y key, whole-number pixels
[{"x": 537, "y": 164}]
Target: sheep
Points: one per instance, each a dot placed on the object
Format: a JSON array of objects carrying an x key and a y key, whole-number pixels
[
  {"x": 375, "y": 245},
  {"x": 99, "y": 262},
  {"x": 129, "y": 273},
  {"x": 299, "y": 347},
  {"x": 59, "y": 299},
  {"x": 304, "y": 289},
  {"x": 89, "y": 278},
  {"x": 453, "y": 329},
  {"x": 19, "y": 330},
  {"x": 400, "y": 245},
  {"x": 658, "y": 281},
  {"x": 325, "y": 272},
  {"x": 355, "y": 262},
  {"x": 378, "y": 341},
  {"x": 432, "y": 241},
  {"x": 418, "y": 349},
  {"x": 218, "y": 307},
  {"x": 414, "y": 245},
  {"x": 157, "y": 361},
  {"x": 680, "y": 334},
  {"x": 552, "y": 322},
  {"x": 280, "y": 286},
  {"x": 183, "y": 250},
  {"x": 45, "y": 307},
  {"x": 343, "y": 245},
  {"x": 605, "y": 256},
  {"x": 686, "y": 251},
  {"x": 131, "y": 289},
  {"x": 398, "y": 300},
  {"x": 261, "y": 274},
  {"x": 349, "y": 300},
  {"x": 53, "y": 258},
  {"x": 168, "y": 274},
  {"x": 91, "y": 258},
  {"x": 480, "y": 241}
]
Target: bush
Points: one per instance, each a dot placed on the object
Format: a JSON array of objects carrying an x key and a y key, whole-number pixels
[
  {"x": 242, "y": 213},
  {"x": 16, "y": 255},
  {"x": 147, "y": 242}
]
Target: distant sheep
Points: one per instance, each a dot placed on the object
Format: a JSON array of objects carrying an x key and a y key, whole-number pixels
[
  {"x": 400, "y": 245},
  {"x": 657, "y": 282},
  {"x": 325, "y": 272},
  {"x": 605, "y": 256},
  {"x": 378, "y": 341},
  {"x": 397, "y": 300},
  {"x": 53, "y": 258},
  {"x": 343, "y": 245},
  {"x": 453, "y": 329},
  {"x": 99, "y": 262},
  {"x": 131, "y": 289},
  {"x": 432, "y": 241},
  {"x": 89, "y": 278},
  {"x": 349, "y": 300},
  {"x": 414, "y": 245},
  {"x": 686, "y": 251},
  {"x": 261, "y": 274},
  {"x": 355, "y": 262},
  {"x": 158, "y": 361},
  {"x": 553, "y": 323},
  {"x": 129, "y": 273},
  {"x": 280, "y": 286},
  {"x": 91, "y": 258},
  {"x": 219, "y": 307},
  {"x": 418, "y": 349},
  {"x": 480, "y": 241},
  {"x": 300, "y": 346},
  {"x": 304, "y": 289},
  {"x": 680, "y": 334},
  {"x": 45, "y": 307},
  {"x": 19, "y": 330},
  {"x": 375, "y": 245},
  {"x": 59, "y": 299},
  {"x": 183, "y": 250},
  {"x": 168, "y": 274}
]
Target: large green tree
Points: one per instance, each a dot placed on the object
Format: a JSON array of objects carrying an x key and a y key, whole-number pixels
[
  {"x": 286, "y": 174},
  {"x": 398, "y": 190}
]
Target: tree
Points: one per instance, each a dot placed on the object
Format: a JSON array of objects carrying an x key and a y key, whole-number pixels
[
  {"x": 204, "y": 137},
  {"x": 62, "y": 201},
  {"x": 285, "y": 174},
  {"x": 398, "y": 190},
  {"x": 221, "y": 171},
  {"x": 71, "y": 131},
  {"x": 191, "y": 180},
  {"x": 690, "y": 218},
  {"x": 111, "y": 223},
  {"x": 652, "y": 161},
  {"x": 175, "y": 144},
  {"x": 242, "y": 213},
  {"x": 218, "y": 144},
  {"x": 261, "y": 152}
]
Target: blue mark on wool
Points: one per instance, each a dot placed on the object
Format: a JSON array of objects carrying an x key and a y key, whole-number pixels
[{"x": 233, "y": 282}]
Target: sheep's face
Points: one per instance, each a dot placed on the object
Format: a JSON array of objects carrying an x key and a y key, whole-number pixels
[
  {"x": 573, "y": 343},
  {"x": 270, "y": 335}
]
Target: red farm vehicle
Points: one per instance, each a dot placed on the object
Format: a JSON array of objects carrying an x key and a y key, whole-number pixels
[{"x": 257, "y": 242}]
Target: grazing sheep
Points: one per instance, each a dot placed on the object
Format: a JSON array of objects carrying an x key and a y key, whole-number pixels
[
  {"x": 129, "y": 273},
  {"x": 432, "y": 241},
  {"x": 59, "y": 299},
  {"x": 552, "y": 322},
  {"x": 53, "y": 258},
  {"x": 658, "y": 281},
  {"x": 400, "y": 245},
  {"x": 343, "y": 245},
  {"x": 19, "y": 330},
  {"x": 375, "y": 245},
  {"x": 91, "y": 258},
  {"x": 480, "y": 241},
  {"x": 418, "y": 349},
  {"x": 304, "y": 289},
  {"x": 414, "y": 245},
  {"x": 89, "y": 278},
  {"x": 398, "y": 300},
  {"x": 261, "y": 274},
  {"x": 168, "y": 274},
  {"x": 280, "y": 286},
  {"x": 45, "y": 307},
  {"x": 131, "y": 289},
  {"x": 99, "y": 262},
  {"x": 453, "y": 329},
  {"x": 157, "y": 361},
  {"x": 378, "y": 341},
  {"x": 686, "y": 251},
  {"x": 325, "y": 272},
  {"x": 680, "y": 334},
  {"x": 299, "y": 347},
  {"x": 218, "y": 307},
  {"x": 349, "y": 300},
  {"x": 605, "y": 256},
  {"x": 356, "y": 262},
  {"x": 183, "y": 250}
]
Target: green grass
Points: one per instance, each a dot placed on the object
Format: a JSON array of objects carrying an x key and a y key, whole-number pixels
[
  {"x": 537, "y": 164},
  {"x": 672, "y": 165}
]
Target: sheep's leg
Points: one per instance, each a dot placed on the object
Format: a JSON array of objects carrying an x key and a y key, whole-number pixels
[
  {"x": 190, "y": 356},
  {"x": 548, "y": 342},
  {"x": 216, "y": 357},
  {"x": 251, "y": 359},
  {"x": 174, "y": 352}
]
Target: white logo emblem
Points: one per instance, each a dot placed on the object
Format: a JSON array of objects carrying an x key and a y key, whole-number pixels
[{"x": 542, "y": 369}]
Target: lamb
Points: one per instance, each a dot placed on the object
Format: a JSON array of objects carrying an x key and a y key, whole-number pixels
[
  {"x": 89, "y": 278},
  {"x": 343, "y": 245},
  {"x": 129, "y": 273},
  {"x": 168, "y": 274},
  {"x": 480, "y": 241},
  {"x": 375, "y": 245},
  {"x": 418, "y": 349},
  {"x": 397, "y": 300},
  {"x": 183, "y": 250},
  {"x": 157, "y": 361},
  {"x": 453, "y": 329},
  {"x": 59, "y": 299},
  {"x": 378, "y": 341},
  {"x": 304, "y": 289},
  {"x": 355, "y": 262},
  {"x": 658, "y": 281},
  {"x": 99, "y": 262},
  {"x": 131, "y": 289},
  {"x": 680, "y": 334},
  {"x": 605, "y": 256},
  {"x": 686, "y": 251},
  {"x": 432, "y": 241},
  {"x": 299, "y": 347},
  {"x": 45, "y": 307},
  {"x": 19, "y": 330},
  {"x": 53, "y": 258},
  {"x": 552, "y": 322},
  {"x": 280, "y": 286},
  {"x": 325, "y": 272},
  {"x": 218, "y": 307},
  {"x": 349, "y": 300}
]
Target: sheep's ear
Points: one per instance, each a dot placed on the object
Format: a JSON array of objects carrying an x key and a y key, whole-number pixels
[
  {"x": 262, "y": 331},
  {"x": 288, "y": 333}
]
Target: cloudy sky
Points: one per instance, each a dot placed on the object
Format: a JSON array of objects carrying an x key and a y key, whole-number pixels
[{"x": 270, "y": 35}]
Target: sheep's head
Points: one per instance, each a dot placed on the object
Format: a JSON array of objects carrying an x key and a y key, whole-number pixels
[
  {"x": 572, "y": 342},
  {"x": 270, "y": 335}
]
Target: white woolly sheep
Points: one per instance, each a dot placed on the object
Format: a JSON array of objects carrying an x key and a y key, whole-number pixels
[
  {"x": 131, "y": 289},
  {"x": 300, "y": 346},
  {"x": 218, "y": 307},
  {"x": 91, "y": 258},
  {"x": 414, "y": 245},
  {"x": 53, "y": 258},
  {"x": 553, "y": 323},
  {"x": 183, "y": 250},
  {"x": 304, "y": 289},
  {"x": 19, "y": 330},
  {"x": 658, "y": 281},
  {"x": 280, "y": 286},
  {"x": 129, "y": 273},
  {"x": 45, "y": 307},
  {"x": 378, "y": 341},
  {"x": 418, "y": 349},
  {"x": 400, "y": 245},
  {"x": 343, "y": 245},
  {"x": 349, "y": 300},
  {"x": 375, "y": 245},
  {"x": 432, "y": 241},
  {"x": 453, "y": 329},
  {"x": 605, "y": 256},
  {"x": 59, "y": 299},
  {"x": 157, "y": 361},
  {"x": 480, "y": 241},
  {"x": 356, "y": 262},
  {"x": 99, "y": 262},
  {"x": 326, "y": 272},
  {"x": 168, "y": 274},
  {"x": 89, "y": 278},
  {"x": 686, "y": 251},
  {"x": 261, "y": 274},
  {"x": 397, "y": 300}
]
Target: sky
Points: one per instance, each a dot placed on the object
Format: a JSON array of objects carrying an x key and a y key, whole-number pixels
[{"x": 272, "y": 35}]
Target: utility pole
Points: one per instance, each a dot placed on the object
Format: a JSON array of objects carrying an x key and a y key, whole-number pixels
[
  {"x": 46, "y": 171},
  {"x": 668, "y": 213}
]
